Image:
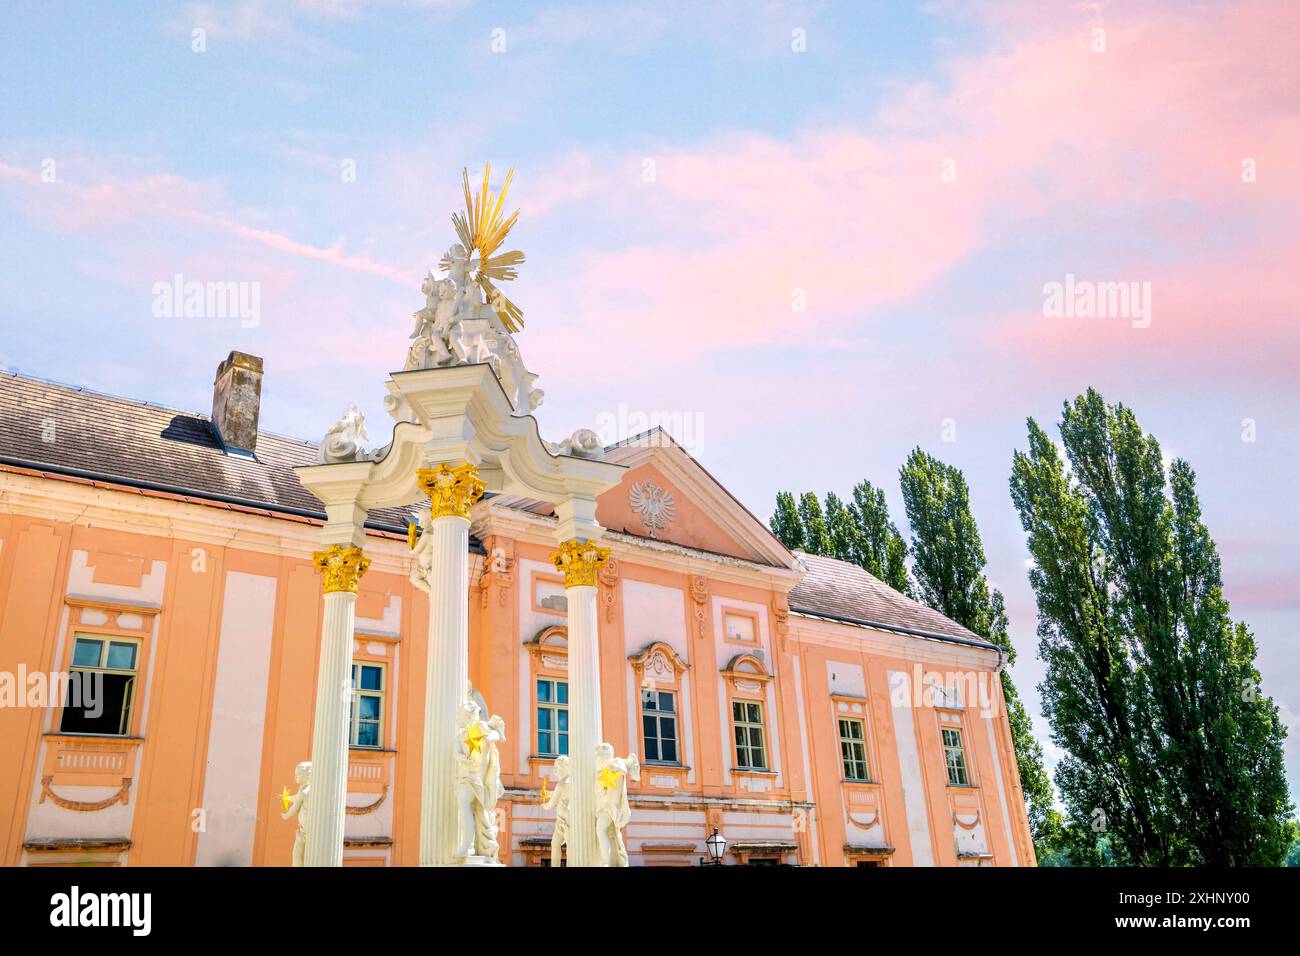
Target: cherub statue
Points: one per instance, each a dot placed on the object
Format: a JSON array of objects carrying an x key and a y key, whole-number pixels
[
  {"x": 478, "y": 779},
  {"x": 559, "y": 800},
  {"x": 343, "y": 441},
  {"x": 422, "y": 552},
  {"x": 298, "y": 807},
  {"x": 432, "y": 323},
  {"x": 459, "y": 265},
  {"x": 612, "y": 809}
]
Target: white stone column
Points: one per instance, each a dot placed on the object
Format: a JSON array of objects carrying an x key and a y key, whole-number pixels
[
  {"x": 340, "y": 568},
  {"x": 580, "y": 562},
  {"x": 452, "y": 492}
]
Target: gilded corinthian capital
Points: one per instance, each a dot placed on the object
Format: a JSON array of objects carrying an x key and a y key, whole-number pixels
[
  {"x": 340, "y": 567},
  {"x": 451, "y": 491},
  {"x": 580, "y": 561}
]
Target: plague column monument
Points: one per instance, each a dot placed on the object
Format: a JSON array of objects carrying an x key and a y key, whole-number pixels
[{"x": 462, "y": 407}]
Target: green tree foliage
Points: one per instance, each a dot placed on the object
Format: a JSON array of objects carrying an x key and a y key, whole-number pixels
[
  {"x": 1151, "y": 690},
  {"x": 841, "y": 529},
  {"x": 816, "y": 535},
  {"x": 948, "y": 561},
  {"x": 859, "y": 532},
  {"x": 879, "y": 548},
  {"x": 785, "y": 523}
]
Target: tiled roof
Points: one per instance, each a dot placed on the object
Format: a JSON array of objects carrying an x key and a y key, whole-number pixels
[
  {"x": 842, "y": 591},
  {"x": 64, "y": 428}
]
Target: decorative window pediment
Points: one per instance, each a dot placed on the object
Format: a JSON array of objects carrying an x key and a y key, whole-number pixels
[
  {"x": 550, "y": 648},
  {"x": 658, "y": 662},
  {"x": 747, "y": 673}
]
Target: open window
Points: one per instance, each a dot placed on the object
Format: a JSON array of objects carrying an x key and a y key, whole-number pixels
[{"x": 101, "y": 687}]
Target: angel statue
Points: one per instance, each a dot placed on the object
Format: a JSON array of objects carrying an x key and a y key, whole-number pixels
[
  {"x": 422, "y": 549},
  {"x": 478, "y": 778},
  {"x": 432, "y": 324},
  {"x": 343, "y": 441},
  {"x": 296, "y": 805},
  {"x": 559, "y": 800},
  {"x": 612, "y": 810}
]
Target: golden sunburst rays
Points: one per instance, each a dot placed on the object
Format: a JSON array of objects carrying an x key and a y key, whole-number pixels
[{"x": 481, "y": 229}]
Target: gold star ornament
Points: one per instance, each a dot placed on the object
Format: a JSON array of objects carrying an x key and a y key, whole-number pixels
[
  {"x": 286, "y": 799},
  {"x": 608, "y": 777},
  {"x": 474, "y": 738},
  {"x": 481, "y": 230}
]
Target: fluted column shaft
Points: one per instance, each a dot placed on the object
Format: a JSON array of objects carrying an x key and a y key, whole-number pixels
[
  {"x": 585, "y": 725},
  {"x": 341, "y": 568},
  {"x": 446, "y": 675},
  {"x": 580, "y": 561},
  {"x": 452, "y": 492}
]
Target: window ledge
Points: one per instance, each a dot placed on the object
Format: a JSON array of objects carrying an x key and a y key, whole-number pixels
[
  {"x": 106, "y": 738},
  {"x": 963, "y": 786},
  {"x": 371, "y": 750},
  {"x": 756, "y": 771},
  {"x": 664, "y": 765}
]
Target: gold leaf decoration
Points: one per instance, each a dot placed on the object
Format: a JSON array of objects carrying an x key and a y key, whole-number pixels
[{"x": 482, "y": 229}]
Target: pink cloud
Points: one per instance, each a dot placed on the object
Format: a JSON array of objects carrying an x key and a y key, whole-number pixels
[{"x": 1047, "y": 137}]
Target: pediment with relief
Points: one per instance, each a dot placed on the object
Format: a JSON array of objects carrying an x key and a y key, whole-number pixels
[{"x": 667, "y": 496}]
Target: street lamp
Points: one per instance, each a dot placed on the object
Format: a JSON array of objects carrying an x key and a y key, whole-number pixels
[{"x": 717, "y": 845}]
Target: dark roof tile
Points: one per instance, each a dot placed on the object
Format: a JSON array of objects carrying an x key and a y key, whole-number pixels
[
  {"x": 845, "y": 591},
  {"x": 73, "y": 429}
]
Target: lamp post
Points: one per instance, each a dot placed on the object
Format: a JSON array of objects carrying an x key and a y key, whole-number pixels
[{"x": 717, "y": 846}]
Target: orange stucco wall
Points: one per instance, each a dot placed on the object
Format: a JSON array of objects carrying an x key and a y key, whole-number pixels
[{"x": 193, "y": 580}]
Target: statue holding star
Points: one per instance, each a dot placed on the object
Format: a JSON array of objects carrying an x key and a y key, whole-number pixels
[
  {"x": 295, "y": 805},
  {"x": 478, "y": 778},
  {"x": 612, "y": 809}
]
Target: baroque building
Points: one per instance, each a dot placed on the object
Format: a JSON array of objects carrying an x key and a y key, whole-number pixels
[{"x": 795, "y": 704}]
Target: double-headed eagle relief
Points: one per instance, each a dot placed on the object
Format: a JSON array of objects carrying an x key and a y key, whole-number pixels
[{"x": 466, "y": 318}]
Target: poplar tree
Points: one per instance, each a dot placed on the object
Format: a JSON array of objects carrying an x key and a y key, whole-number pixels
[
  {"x": 948, "y": 562},
  {"x": 1173, "y": 756},
  {"x": 880, "y": 548},
  {"x": 785, "y": 522},
  {"x": 841, "y": 529},
  {"x": 816, "y": 536}
]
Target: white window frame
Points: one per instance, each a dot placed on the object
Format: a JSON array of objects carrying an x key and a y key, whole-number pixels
[
  {"x": 555, "y": 707},
  {"x": 959, "y": 749},
  {"x": 657, "y": 715},
  {"x": 853, "y": 750},
  {"x": 126, "y": 718},
  {"x": 750, "y": 727},
  {"x": 354, "y": 718}
]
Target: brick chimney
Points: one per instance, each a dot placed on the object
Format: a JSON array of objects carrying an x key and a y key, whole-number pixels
[{"x": 236, "y": 401}]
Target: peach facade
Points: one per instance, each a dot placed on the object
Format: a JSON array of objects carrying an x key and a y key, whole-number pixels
[{"x": 698, "y": 643}]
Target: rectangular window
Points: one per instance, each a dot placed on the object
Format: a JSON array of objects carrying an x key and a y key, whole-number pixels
[
  {"x": 747, "y": 719},
  {"x": 659, "y": 725},
  {"x": 366, "y": 724},
  {"x": 101, "y": 691},
  {"x": 955, "y": 756},
  {"x": 853, "y": 748},
  {"x": 552, "y": 717}
]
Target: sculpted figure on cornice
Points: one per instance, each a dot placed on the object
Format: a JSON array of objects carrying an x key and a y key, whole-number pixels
[{"x": 343, "y": 441}]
